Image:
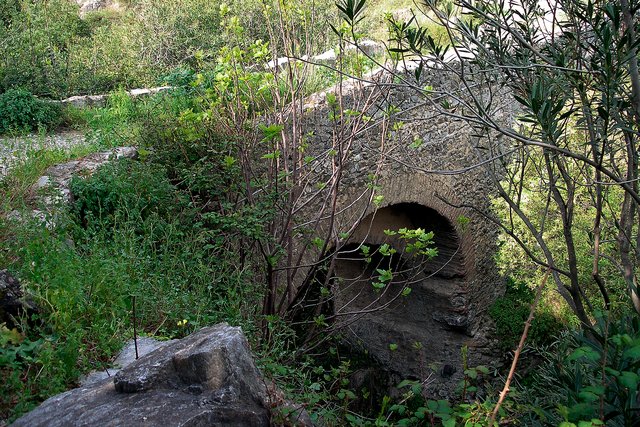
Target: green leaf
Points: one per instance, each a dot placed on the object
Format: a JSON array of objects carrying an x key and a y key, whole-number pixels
[
  {"x": 386, "y": 250},
  {"x": 584, "y": 353},
  {"x": 378, "y": 285},
  {"x": 400, "y": 409},
  {"x": 331, "y": 99},
  {"x": 417, "y": 143},
  {"x": 405, "y": 383},
  {"x": 588, "y": 396},
  {"x": 451, "y": 422},
  {"x": 385, "y": 275},
  {"x": 632, "y": 353},
  {"x": 482, "y": 369},
  {"x": 393, "y": 347},
  {"x": 318, "y": 242},
  {"x": 271, "y": 132},
  {"x": 272, "y": 155},
  {"x": 629, "y": 379},
  {"x": 229, "y": 161}
]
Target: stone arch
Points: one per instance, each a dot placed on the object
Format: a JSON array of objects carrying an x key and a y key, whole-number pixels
[
  {"x": 444, "y": 179},
  {"x": 431, "y": 323},
  {"x": 438, "y": 277},
  {"x": 450, "y": 260}
]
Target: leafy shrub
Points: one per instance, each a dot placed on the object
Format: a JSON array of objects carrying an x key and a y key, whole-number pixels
[
  {"x": 181, "y": 76},
  {"x": 37, "y": 45},
  {"x": 592, "y": 376},
  {"x": 125, "y": 188},
  {"x": 512, "y": 310},
  {"x": 20, "y": 110}
]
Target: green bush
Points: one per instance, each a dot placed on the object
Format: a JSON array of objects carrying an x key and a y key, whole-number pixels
[
  {"x": 590, "y": 376},
  {"x": 129, "y": 188},
  {"x": 512, "y": 310},
  {"x": 20, "y": 110}
]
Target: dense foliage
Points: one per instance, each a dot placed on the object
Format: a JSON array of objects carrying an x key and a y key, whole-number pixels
[
  {"x": 511, "y": 311},
  {"x": 50, "y": 50},
  {"x": 201, "y": 228},
  {"x": 21, "y": 111}
]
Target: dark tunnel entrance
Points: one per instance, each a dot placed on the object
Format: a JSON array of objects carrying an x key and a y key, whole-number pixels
[
  {"x": 403, "y": 330},
  {"x": 372, "y": 232}
]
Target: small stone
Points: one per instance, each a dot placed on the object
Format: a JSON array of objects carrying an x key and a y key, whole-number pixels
[{"x": 43, "y": 181}]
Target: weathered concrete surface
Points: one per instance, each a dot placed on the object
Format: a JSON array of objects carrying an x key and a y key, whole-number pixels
[{"x": 206, "y": 379}]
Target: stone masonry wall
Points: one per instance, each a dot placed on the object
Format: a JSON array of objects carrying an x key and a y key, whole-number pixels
[{"x": 423, "y": 174}]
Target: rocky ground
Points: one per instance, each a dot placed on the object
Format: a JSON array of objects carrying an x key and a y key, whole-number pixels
[{"x": 13, "y": 149}]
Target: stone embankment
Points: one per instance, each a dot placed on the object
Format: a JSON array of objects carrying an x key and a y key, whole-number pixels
[
  {"x": 101, "y": 100},
  {"x": 330, "y": 57}
]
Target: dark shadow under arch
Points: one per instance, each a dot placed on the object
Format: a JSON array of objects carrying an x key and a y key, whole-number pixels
[{"x": 449, "y": 263}]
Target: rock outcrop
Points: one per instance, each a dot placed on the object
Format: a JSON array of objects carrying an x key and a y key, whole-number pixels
[
  {"x": 87, "y": 6},
  {"x": 81, "y": 101},
  {"x": 58, "y": 177},
  {"x": 52, "y": 188},
  {"x": 131, "y": 352},
  {"x": 206, "y": 379}
]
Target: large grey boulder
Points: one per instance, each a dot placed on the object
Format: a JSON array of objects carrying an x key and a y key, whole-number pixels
[
  {"x": 206, "y": 379},
  {"x": 139, "y": 348}
]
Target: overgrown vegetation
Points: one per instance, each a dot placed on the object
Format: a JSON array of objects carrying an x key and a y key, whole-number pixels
[
  {"x": 511, "y": 311},
  {"x": 51, "y": 51},
  {"x": 22, "y": 112},
  {"x": 134, "y": 235},
  {"x": 204, "y": 226}
]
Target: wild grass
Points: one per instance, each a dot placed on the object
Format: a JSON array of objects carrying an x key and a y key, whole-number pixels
[{"x": 130, "y": 233}]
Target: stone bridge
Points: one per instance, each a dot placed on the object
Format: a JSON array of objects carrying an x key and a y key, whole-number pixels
[{"x": 406, "y": 165}]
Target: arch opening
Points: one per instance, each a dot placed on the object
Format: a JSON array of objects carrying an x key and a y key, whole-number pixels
[
  {"x": 418, "y": 316},
  {"x": 372, "y": 232}
]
